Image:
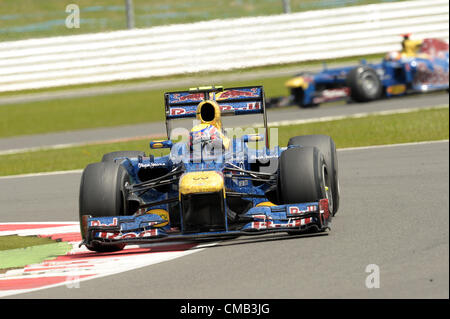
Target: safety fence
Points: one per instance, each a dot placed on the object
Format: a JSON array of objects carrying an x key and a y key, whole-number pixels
[{"x": 218, "y": 44}]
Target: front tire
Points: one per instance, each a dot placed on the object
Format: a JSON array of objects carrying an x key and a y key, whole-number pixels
[
  {"x": 301, "y": 175},
  {"x": 102, "y": 193},
  {"x": 298, "y": 95},
  {"x": 327, "y": 147}
]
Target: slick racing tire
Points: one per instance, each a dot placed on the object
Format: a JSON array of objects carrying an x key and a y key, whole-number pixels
[
  {"x": 327, "y": 147},
  {"x": 102, "y": 194},
  {"x": 364, "y": 83},
  {"x": 302, "y": 176},
  {"x": 109, "y": 157}
]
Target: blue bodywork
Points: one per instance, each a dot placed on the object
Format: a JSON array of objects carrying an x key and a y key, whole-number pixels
[{"x": 250, "y": 176}]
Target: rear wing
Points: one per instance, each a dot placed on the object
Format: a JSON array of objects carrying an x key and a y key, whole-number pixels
[
  {"x": 434, "y": 48},
  {"x": 232, "y": 101}
]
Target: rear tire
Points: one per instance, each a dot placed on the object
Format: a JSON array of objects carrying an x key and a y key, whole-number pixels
[
  {"x": 102, "y": 194},
  {"x": 364, "y": 83},
  {"x": 327, "y": 147}
]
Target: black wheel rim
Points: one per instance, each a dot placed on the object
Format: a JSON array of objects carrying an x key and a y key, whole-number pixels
[{"x": 369, "y": 83}]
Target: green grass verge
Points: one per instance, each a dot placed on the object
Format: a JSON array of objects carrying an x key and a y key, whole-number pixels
[
  {"x": 81, "y": 113},
  {"x": 64, "y": 159},
  {"x": 14, "y": 242},
  {"x": 415, "y": 126},
  {"x": 19, "y": 251},
  {"x": 20, "y": 257}
]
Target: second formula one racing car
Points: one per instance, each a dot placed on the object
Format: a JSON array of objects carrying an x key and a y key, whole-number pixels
[{"x": 398, "y": 74}]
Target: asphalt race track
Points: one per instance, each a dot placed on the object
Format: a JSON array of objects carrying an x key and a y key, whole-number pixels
[{"x": 394, "y": 213}]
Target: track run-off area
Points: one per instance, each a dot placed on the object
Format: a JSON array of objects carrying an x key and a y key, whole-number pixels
[{"x": 393, "y": 214}]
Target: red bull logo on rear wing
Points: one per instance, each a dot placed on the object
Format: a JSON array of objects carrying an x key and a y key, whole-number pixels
[
  {"x": 232, "y": 101},
  {"x": 239, "y": 94}
]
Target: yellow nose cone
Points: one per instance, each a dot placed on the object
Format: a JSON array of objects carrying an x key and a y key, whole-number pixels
[
  {"x": 201, "y": 182},
  {"x": 296, "y": 83}
]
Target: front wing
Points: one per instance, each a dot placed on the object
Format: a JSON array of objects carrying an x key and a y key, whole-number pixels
[{"x": 148, "y": 228}]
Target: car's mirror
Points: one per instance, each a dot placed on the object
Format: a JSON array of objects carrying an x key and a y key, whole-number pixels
[
  {"x": 253, "y": 138},
  {"x": 161, "y": 144}
]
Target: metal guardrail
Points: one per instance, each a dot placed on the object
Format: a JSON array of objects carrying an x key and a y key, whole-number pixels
[{"x": 218, "y": 45}]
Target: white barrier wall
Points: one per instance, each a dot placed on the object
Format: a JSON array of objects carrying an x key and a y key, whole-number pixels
[{"x": 218, "y": 44}]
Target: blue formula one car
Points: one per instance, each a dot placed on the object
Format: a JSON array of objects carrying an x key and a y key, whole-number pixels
[
  {"x": 212, "y": 184},
  {"x": 397, "y": 74}
]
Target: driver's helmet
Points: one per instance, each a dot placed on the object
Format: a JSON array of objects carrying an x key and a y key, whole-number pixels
[
  {"x": 393, "y": 56},
  {"x": 206, "y": 136}
]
